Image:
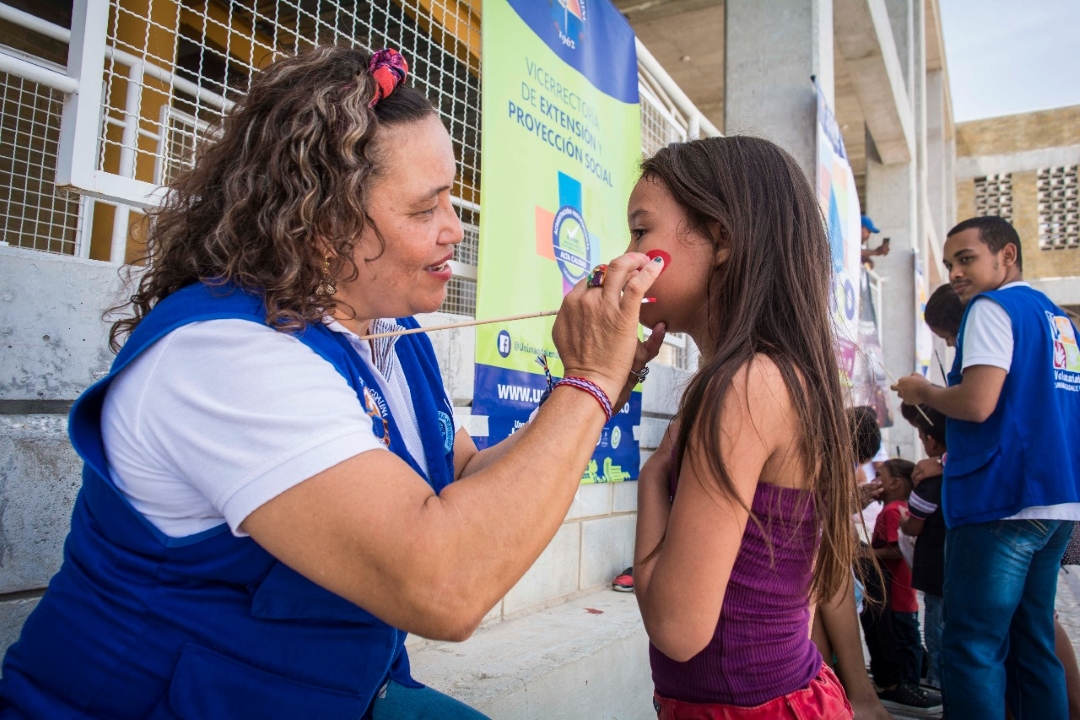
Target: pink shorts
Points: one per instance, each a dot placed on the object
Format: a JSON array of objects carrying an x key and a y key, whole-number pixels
[{"x": 822, "y": 699}]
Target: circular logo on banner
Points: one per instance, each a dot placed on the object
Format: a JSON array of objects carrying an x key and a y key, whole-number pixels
[
  {"x": 502, "y": 343},
  {"x": 616, "y": 437},
  {"x": 571, "y": 244}
]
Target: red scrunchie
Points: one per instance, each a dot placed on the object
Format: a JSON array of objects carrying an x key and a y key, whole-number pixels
[{"x": 388, "y": 68}]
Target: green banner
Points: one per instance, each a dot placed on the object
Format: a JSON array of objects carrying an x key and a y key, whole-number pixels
[{"x": 561, "y": 129}]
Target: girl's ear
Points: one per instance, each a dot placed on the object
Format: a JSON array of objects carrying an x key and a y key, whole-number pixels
[{"x": 723, "y": 249}]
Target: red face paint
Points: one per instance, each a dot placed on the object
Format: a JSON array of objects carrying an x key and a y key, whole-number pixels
[{"x": 653, "y": 254}]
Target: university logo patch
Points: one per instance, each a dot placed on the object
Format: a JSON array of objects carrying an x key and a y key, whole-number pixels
[
  {"x": 447, "y": 427},
  {"x": 1066, "y": 350},
  {"x": 373, "y": 406}
]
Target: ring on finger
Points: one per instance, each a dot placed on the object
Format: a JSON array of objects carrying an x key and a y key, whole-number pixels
[
  {"x": 596, "y": 277},
  {"x": 640, "y": 374}
]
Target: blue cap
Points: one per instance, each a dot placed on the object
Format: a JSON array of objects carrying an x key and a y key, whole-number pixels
[{"x": 869, "y": 224}]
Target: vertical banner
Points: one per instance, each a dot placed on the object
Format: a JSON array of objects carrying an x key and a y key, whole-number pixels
[
  {"x": 840, "y": 203},
  {"x": 924, "y": 338},
  {"x": 869, "y": 385},
  {"x": 561, "y": 142}
]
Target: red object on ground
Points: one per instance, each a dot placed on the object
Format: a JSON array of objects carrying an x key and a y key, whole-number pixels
[{"x": 653, "y": 254}]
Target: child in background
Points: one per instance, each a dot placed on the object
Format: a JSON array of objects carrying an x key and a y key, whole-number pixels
[
  {"x": 836, "y": 622},
  {"x": 943, "y": 313},
  {"x": 926, "y": 522},
  {"x": 744, "y": 511},
  {"x": 866, "y": 437},
  {"x": 891, "y": 620}
]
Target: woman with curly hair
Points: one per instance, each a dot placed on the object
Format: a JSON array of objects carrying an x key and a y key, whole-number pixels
[{"x": 270, "y": 501}]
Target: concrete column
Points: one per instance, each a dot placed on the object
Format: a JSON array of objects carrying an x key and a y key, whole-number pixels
[
  {"x": 937, "y": 157},
  {"x": 772, "y": 49},
  {"x": 919, "y": 62},
  {"x": 901, "y": 17},
  {"x": 952, "y": 202},
  {"x": 893, "y": 201}
]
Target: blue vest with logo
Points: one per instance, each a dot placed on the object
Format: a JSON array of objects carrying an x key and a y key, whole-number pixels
[
  {"x": 137, "y": 624},
  {"x": 1026, "y": 453}
]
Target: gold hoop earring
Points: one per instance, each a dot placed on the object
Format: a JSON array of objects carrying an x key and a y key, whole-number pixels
[{"x": 326, "y": 287}]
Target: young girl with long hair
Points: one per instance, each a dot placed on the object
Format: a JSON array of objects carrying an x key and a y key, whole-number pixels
[{"x": 744, "y": 512}]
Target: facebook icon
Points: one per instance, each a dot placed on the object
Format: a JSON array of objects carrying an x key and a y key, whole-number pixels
[{"x": 504, "y": 343}]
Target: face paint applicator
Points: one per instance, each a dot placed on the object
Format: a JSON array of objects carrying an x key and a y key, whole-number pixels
[{"x": 652, "y": 255}]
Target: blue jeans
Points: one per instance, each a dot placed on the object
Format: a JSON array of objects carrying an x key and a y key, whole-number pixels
[
  {"x": 909, "y": 645},
  {"x": 933, "y": 622},
  {"x": 998, "y": 641},
  {"x": 405, "y": 703}
]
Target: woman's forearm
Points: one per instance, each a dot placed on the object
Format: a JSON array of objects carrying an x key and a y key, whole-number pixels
[
  {"x": 484, "y": 458},
  {"x": 373, "y": 532}
]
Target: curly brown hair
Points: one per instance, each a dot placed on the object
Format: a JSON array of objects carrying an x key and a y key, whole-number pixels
[{"x": 276, "y": 202}]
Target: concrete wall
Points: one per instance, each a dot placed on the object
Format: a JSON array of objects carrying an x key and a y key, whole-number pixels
[
  {"x": 1021, "y": 145},
  {"x": 1019, "y": 133},
  {"x": 55, "y": 346},
  {"x": 1037, "y": 263}
]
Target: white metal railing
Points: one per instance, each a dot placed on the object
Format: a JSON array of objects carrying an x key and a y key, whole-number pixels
[{"x": 652, "y": 71}]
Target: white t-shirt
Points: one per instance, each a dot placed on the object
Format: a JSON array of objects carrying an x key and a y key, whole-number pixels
[
  {"x": 988, "y": 336},
  {"x": 988, "y": 340},
  {"x": 219, "y": 417}
]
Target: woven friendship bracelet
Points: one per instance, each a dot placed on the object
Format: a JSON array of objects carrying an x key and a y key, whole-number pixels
[{"x": 591, "y": 388}]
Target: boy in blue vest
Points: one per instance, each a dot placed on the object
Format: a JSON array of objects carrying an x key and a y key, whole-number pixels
[{"x": 1012, "y": 481}]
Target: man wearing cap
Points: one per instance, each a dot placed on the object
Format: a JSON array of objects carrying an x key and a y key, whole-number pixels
[{"x": 869, "y": 228}]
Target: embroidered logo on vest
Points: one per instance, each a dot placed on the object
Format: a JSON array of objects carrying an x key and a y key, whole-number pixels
[
  {"x": 447, "y": 427},
  {"x": 1066, "y": 351},
  {"x": 375, "y": 407}
]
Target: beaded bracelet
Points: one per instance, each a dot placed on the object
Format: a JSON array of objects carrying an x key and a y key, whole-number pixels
[
  {"x": 591, "y": 388},
  {"x": 580, "y": 383}
]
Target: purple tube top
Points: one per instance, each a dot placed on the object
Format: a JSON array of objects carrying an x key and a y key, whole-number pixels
[{"x": 761, "y": 648}]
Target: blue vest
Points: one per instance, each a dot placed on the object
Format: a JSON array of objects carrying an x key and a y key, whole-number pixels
[
  {"x": 137, "y": 624},
  {"x": 1026, "y": 453}
]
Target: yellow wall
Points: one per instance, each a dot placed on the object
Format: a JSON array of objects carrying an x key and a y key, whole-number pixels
[
  {"x": 1014, "y": 134},
  {"x": 965, "y": 199},
  {"x": 1017, "y": 133},
  {"x": 1025, "y": 207},
  {"x": 1037, "y": 263}
]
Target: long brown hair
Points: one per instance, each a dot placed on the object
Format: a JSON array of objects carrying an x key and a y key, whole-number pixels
[
  {"x": 276, "y": 202},
  {"x": 770, "y": 297}
]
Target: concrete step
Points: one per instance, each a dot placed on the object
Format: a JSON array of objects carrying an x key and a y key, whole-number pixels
[{"x": 586, "y": 659}]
